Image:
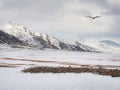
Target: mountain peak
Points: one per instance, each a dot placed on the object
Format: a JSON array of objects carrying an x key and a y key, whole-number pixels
[
  {"x": 10, "y": 25},
  {"x": 113, "y": 43},
  {"x": 31, "y": 37}
]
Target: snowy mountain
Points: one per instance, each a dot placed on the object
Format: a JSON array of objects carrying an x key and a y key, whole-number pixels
[
  {"x": 102, "y": 46},
  {"x": 110, "y": 43},
  {"x": 16, "y": 34},
  {"x": 40, "y": 40},
  {"x": 86, "y": 47},
  {"x": 30, "y": 37}
]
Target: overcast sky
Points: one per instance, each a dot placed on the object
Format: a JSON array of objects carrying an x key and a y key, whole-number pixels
[{"x": 65, "y": 18}]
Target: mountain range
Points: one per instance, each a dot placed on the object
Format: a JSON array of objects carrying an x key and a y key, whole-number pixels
[{"x": 14, "y": 34}]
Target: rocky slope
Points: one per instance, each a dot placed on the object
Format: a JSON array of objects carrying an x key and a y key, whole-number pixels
[
  {"x": 9, "y": 39},
  {"x": 37, "y": 39}
]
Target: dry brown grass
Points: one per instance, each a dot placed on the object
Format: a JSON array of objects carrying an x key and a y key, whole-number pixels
[
  {"x": 87, "y": 68},
  {"x": 7, "y": 66},
  {"x": 64, "y": 63},
  {"x": 100, "y": 71}
]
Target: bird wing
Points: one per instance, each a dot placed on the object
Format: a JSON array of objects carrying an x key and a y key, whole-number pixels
[
  {"x": 97, "y": 16},
  {"x": 89, "y": 16},
  {"x": 93, "y": 17}
]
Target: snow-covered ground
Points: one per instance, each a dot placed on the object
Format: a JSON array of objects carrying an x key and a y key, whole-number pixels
[
  {"x": 90, "y": 58},
  {"x": 12, "y": 80},
  {"x": 15, "y": 79}
]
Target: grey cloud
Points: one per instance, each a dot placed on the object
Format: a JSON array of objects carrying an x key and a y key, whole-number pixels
[
  {"x": 113, "y": 9},
  {"x": 116, "y": 28},
  {"x": 30, "y": 9},
  {"x": 41, "y": 6},
  {"x": 99, "y": 2},
  {"x": 13, "y": 4},
  {"x": 38, "y": 11}
]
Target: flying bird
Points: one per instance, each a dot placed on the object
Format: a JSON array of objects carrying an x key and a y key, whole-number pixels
[{"x": 93, "y": 17}]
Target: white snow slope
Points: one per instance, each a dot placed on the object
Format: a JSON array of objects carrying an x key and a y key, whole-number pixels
[
  {"x": 103, "y": 47},
  {"x": 14, "y": 79},
  {"x": 27, "y": 35}
]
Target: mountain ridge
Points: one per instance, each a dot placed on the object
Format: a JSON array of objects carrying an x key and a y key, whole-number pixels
[
  {"x": 110, "y": 42},
  {"x": 38, "y": 39},
  {"x": 41, "y": 40}
]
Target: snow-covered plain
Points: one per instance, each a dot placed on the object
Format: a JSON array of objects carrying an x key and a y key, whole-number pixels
[
  {"x": 90, "y": 58},
  {"x": 12, "y": 80},
  {"x": 15, "y": 79}
]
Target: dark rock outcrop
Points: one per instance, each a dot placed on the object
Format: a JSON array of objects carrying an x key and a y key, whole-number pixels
[{"x": 9, "y": 39}]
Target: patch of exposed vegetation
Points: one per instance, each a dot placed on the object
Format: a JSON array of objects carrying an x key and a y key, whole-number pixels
[{"x": 100, "y": 71}]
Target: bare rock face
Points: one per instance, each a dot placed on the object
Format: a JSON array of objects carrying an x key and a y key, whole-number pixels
[{"x": 9, "y": 39}]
